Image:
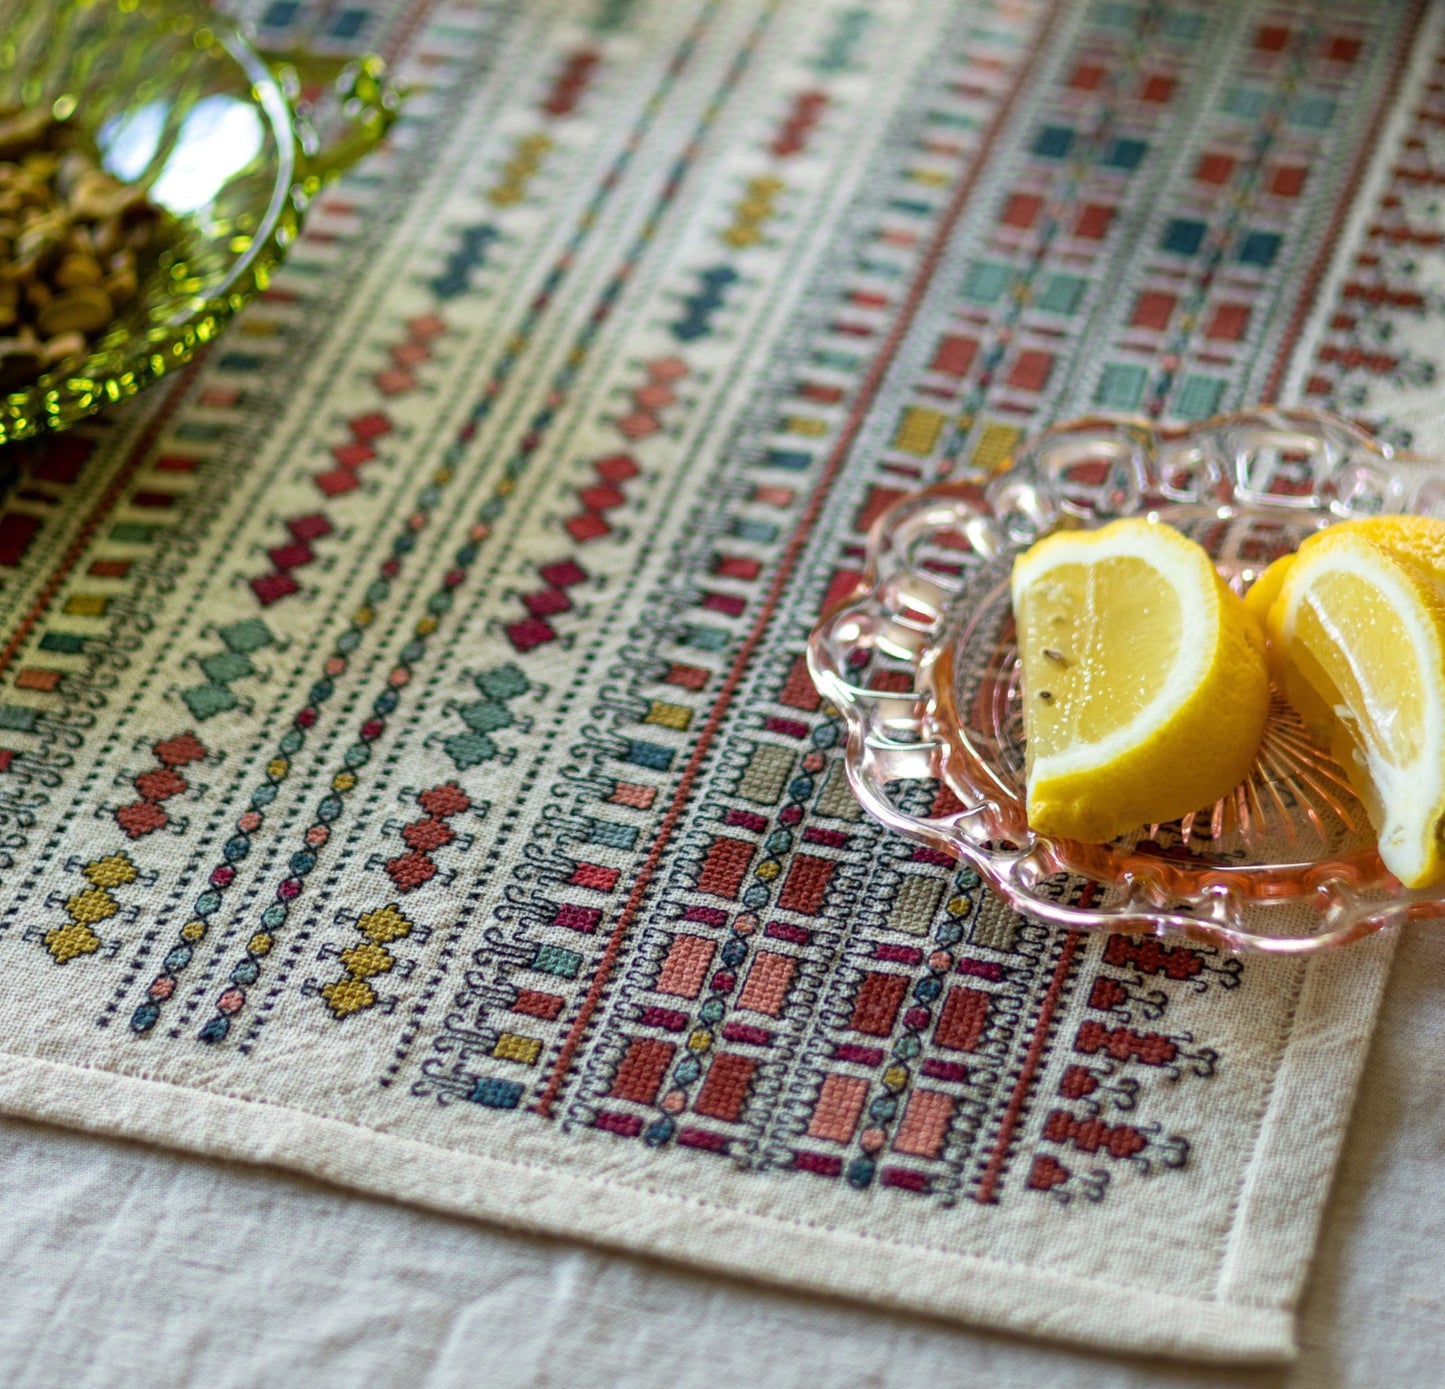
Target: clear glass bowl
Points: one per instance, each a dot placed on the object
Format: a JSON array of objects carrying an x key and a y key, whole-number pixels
[
  {"x": 922, "y": 664},
  {"x": 177, "y": 101}
]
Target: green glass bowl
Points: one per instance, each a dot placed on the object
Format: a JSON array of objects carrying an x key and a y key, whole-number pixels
[{"x": 177, "y": 101}]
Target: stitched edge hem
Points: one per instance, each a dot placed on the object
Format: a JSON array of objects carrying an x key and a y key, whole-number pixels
[
  {"x": 1286, "y": 1183},
  {"x": 753, "y": 1247}
]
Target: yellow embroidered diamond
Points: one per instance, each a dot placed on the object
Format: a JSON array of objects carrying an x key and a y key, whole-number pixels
[
  {"x": 347, "y": 996},
  {"x": 68, "y": 941},
  {"x": 91, "y": 906},
  {"x": 384, "y": 924},
  {"x": 364, "y": 961},
  {"x": 116, "y": 870}
]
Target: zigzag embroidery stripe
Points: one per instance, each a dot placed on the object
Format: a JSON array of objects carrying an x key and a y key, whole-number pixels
[
  {"x": 162, "y": 988},
  {"x": 304, "y": 859},
  {"x": 232, "y": 999}
]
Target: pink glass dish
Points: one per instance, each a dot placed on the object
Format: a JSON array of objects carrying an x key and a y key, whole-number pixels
[{"x": 921, "y": 663}]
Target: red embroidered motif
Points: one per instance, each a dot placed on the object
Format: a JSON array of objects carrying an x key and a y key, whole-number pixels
[
  {"x": 725, "y": 866},
  {"x": 962, "y": 1021},
  {"x": 1149, "y": 956},
  {"x": 807, "y": 884},
  {"x": 1124, "y": 1044},
  {"x": 147, "y": 815},
  {"x": 538, "y": 1005},
  {"x": 1047, "y": 1173},
  {"x": 725, "y": 1088},
  {"x": 595, "y": 876},
  {"x": 686, "y": 966},
  {"x": 768, "y": 983},
  {"x": 875, "y": 1008},
  {"x": 425, "y": 836},
  {"x": 1093, "y": 1135},
  {"x": 798, "y": 690},
  {"x": 639, "y": 1077},
  {"x": 925, "y": 1123}
]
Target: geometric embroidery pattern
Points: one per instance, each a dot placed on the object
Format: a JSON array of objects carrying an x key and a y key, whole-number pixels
[{"x": 511, "y": 501}]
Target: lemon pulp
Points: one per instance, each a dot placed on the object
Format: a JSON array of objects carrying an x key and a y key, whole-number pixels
[
  {"x": 1145, "y": 690},
  {"x": 1357, "y": 635}
]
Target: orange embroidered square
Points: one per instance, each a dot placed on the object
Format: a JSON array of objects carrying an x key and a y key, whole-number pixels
[
  {"x": 878, "y": 500},
  {"x": 963, "y": 1019},
  {"x": 538, "y": 1005},
  {"x": 725, "y": 1088},
  {"x": 807, "y": 884},
  {"x": 877, "y": 1002},
  {"x": 798, "y": 690},
  {"x": 629, "y": 793},
  {"x": 723, "y": 869},
  {"x": 925, "y": 1123},
  {"x": 768, "y": 982},
  {"x": 687, "y": 960},
  {"x": 686, "y": 676},
  {"x": 840, "y": 1102},
  {"x": 640, "y": 1075}
]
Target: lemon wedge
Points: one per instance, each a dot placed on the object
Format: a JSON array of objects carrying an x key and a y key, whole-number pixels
[
  {"x": 1145, "y": 688},
  {"x": 1357, "y": 638}
]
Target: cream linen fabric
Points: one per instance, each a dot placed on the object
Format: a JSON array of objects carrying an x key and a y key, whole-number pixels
[
  {"x": 126, "y": 1266},
  {"x": 503, "y": 1043}
]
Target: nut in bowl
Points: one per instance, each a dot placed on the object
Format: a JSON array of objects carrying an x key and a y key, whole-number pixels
[
  {"x": 923, "y": 663},
  {"x": 154, "y": 169}
]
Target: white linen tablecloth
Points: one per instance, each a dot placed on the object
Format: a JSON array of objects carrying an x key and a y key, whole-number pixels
[{"x": 128, "y": 1266}]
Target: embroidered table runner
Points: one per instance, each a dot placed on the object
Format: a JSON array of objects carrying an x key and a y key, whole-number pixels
[{"x": 410, "y": 772}]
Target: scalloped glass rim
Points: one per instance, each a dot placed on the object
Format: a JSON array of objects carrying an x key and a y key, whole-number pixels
[{"x": 1268, "y": 472}]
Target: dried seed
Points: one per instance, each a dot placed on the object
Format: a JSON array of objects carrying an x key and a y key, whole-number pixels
[
  {"x": 40, "y": 166},
  {"x": 22, "y": 131},
  {"x": 1057, "y": 657},
  {"x": 76, "y": 270},
  {"x": 70, "y": 238},
  {"x": 133, "y": 205},
  {"x": 40, "y": 239},
  {"x": 84, "y": 310},
  {"x": 96, "y": 196},
  {"x": 121, "y": 286},
  {"x": 105, "y": 236},
  {"x": 73, "y": 167},
  {"x": 1046, "y": 696}
]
